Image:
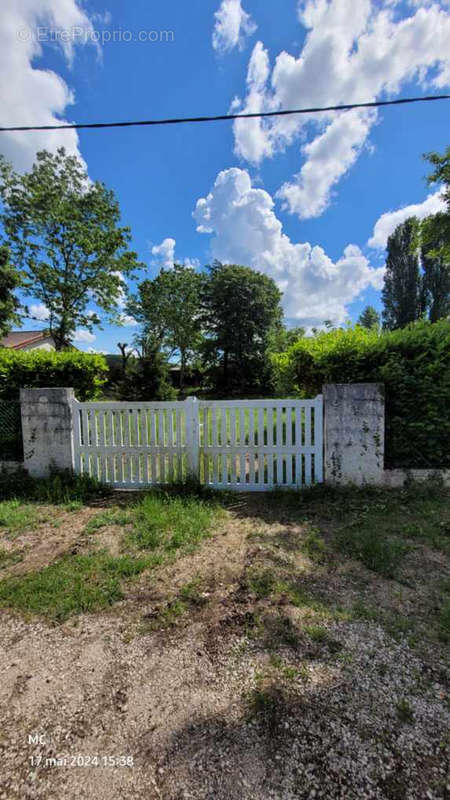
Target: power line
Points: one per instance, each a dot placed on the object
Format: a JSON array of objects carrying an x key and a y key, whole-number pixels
[{"x": 221, "y": 117}]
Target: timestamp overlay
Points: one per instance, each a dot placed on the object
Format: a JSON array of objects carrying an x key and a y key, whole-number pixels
[{"x": 45, "y": 756}]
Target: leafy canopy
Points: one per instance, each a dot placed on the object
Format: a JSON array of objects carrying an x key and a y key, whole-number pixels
[
  {"x": 168, "y": 308},
  {"x": 242, "y": 310},
  {"x": 9, "y": 304},
  {"x": 65, "y": 238}
]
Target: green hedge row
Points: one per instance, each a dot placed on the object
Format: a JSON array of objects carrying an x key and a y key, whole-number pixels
[
  {"x": 414, "y": 365},
  {"x": 84, "y": 372}
]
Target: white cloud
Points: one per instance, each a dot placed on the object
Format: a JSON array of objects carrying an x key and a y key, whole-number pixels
[
  {"x": 353, "y": 52},
  {"x": 388, "y": 222},
  {"x": 232, "y": 26},
  {"x": 128, "y": 321},
  {"x": 165, "y": 252},
  {"x": 246, "y": 231},
  {"x": 83, "y": 335},
  {"x": 32, "y": 96},
  {"x": 39, "y": 311},
  {"x": 165, "y": 255},
  {"x": 328, "y": 158}
]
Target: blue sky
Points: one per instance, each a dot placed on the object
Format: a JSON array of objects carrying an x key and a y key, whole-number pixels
[{"x": 309, "y": 201}]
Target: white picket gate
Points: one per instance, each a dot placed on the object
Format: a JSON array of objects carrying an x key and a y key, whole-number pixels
[{"x": 244, "y": 445}]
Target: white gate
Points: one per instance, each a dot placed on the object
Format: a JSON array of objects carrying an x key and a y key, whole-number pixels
[{"x": 244, "y": 445}]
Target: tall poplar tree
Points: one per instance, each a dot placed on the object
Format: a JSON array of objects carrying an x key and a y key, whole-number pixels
[{"x": 402, "y": 292}]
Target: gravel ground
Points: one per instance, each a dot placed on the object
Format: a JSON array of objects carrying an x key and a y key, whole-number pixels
[{"x": 209, "y": 709}]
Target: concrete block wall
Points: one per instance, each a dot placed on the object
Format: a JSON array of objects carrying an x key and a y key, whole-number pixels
[
  {"x": 354, "y": 433},
  {"x": 47, "y": 429}
]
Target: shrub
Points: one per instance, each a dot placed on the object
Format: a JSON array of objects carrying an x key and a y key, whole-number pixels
[
  {"x": 414, "y": 365},
  {"x": 85, "y": 372}
]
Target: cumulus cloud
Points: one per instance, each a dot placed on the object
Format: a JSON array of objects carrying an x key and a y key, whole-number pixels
[
  {"x": 165, "y": 252},
  {"x": 32, "y": 96},
  {"x": 232, "y": 26},
  {"x": 388, "y": 222},
  {"x": 246, "y": 230},
  {"x": 352, "y": 52},
  {"x": 39, "y": 311},
  {"x": 165, "y": 255},
  {"x": 82, "y": 335}
]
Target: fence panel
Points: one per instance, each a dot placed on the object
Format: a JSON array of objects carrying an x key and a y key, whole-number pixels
[
  {"x": 131, "y": 445},
  {"x": 244, "y": 445},
  {"x": 264, "y": 443}
]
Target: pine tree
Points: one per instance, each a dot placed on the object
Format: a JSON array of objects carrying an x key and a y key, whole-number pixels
[
  {"x": 369, "y": 318},
  {"x": 402, "y": 293}
]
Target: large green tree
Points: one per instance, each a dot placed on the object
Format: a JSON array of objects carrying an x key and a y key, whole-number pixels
[
  {"x": 65, "y": 237},
  {"x": 242, "y": 309},
  {"x": 369, "y": 318},
  {"x": 402, "y": 292},
  {"x": 435, "y": 243},
  {"x": 9, "y": 304},
  {"x": 168, "y": 308}
]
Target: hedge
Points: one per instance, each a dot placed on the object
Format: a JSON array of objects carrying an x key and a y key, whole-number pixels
[
  {"x": 84, "y": 372},
  {"x": 414, "y": 365}
]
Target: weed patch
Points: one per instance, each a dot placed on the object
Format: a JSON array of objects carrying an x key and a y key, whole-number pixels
[
  {"x": 73, "y": 585},
  {"x": 377, "y": 552},
  {"x": 16, "y": 516}
]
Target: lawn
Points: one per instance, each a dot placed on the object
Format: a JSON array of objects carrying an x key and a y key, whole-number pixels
[{"x": 279, "y": 645}]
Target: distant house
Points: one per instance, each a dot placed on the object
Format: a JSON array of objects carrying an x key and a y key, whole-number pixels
[{"x": 28, "y": 340}]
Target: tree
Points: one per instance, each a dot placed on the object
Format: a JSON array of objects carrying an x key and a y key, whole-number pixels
[
  {"x": 241, "y": 312},
  {"x": 369, "y": 318},
  {"x": 402, "y": 291},
  {"x": 435, "y": 244},
  {"x": 168, "y": 308},
  {"x": 281, "y": 338},
  {"x": 9, "y": 304},
  {"x": 64, "y": 235}
]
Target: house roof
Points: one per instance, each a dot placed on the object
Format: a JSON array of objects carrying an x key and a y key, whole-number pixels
[{"x": 18, "y": 339}]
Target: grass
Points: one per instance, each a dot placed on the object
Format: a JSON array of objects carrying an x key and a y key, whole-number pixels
[
  {"x": 378, "y": 552},
  {"x": 72, "y": 585},
  {"x": 404, "y": 711},
  {"x": 157, "y": 527},
  {"x": 162, "y": 522},
  {"x": 60, "y": 488},
  {"x": 9, "y": 557},
  {"x": 16, "y": 516}
]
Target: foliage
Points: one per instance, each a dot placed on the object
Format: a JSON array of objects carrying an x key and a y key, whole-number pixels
[
  {"x": 402, "y": 291},
  {"x": 241, "y": 311},
  {"x": 414, "y": 365},
  {"x": 435, "y": 243},
  {"x": 147, "y": 378},
  {"x": 65, "y": 237},
  {"x": 169, "y": 309},
  {"x": 9, "y": 304},
  {"x": 84, "y": 372},
  {"x": 60, "y": 488},
  {"x": 369, "y": 318}
]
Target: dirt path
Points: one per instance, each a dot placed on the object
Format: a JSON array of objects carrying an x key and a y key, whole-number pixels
[{"x": 176, "y": 700}]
